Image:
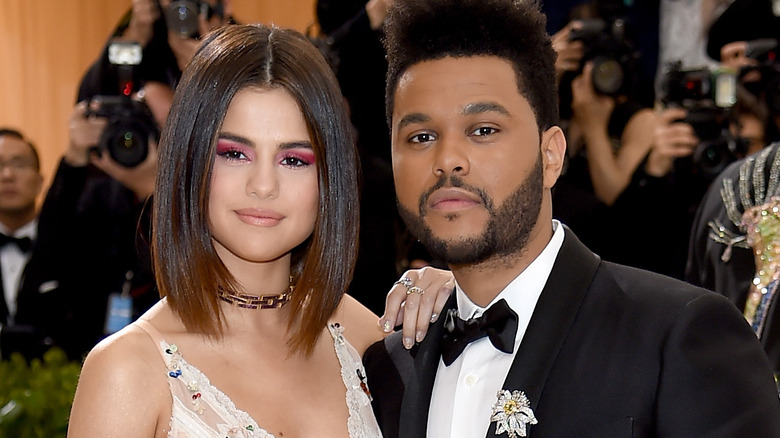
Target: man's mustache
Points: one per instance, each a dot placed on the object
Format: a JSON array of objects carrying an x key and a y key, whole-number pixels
[{"x": 453, "y": 181}]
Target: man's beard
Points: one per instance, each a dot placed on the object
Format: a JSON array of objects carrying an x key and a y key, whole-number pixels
[{"x": 506, "y": 232}]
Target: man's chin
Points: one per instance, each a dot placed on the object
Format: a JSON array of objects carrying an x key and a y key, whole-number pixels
[
  {"x": 462, "y": 249},
  {"x": 456, "y": 227}
]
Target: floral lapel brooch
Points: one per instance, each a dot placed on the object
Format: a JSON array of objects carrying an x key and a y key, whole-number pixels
[{"x": 512, "y": 413}]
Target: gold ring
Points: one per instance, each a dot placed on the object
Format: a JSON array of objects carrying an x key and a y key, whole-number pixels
[{"x": 415, "y": 290}]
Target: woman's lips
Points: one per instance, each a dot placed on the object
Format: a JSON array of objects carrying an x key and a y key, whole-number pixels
[{"x": 261, "y": 217}]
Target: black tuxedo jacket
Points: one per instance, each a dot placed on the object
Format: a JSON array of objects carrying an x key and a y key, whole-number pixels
[
  {"x": 610, "y": 351},
  {"x": 91, "y": 231}
]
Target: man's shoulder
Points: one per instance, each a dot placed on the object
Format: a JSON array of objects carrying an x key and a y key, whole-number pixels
[
  {"x": 650, "y": 291},
  {"x": 386, "y": 349}
]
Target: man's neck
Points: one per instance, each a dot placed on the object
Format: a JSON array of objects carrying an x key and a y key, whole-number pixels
[
  {"x": 482, "y": 282},
  {"x": 16, "y": 220}
]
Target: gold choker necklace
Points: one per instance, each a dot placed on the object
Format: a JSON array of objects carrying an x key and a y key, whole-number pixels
[{"x": 271, "y": 301}]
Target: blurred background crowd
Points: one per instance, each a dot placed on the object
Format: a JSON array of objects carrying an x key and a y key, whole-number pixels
[{"x": 670, "y": 109}]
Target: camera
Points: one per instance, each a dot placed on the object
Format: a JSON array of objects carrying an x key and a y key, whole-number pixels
[
  {"x": 708, "y": 96},
  {"x": 129, "y": 128},
  {"x": 181, "y": 16},
  {"x": 699, "y": 88},
  {"x": 612, "y": 54},
  {"x": 130, "y": 123}
]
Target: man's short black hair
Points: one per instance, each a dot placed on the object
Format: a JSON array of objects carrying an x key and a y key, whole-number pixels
[
  {"x": 10, "y": 132},
  {"x": 514, "y": 30}
]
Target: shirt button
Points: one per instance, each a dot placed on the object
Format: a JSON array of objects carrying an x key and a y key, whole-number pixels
[{"x": 471, "y": 380}]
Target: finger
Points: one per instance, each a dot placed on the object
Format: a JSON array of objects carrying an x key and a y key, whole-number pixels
[
  {"x": 437, "y": 284},
  {"x": 569, "y": 65},
  {"x": 411, "y": 311},
  {"x": 394, "y": 300},
  {"x": 587, "y": 70},
  {"x": 682, "y": 132},
  {"x": 429, "y": 280},
  {"x": 577, "y": 46},
  {"x": 681, "y": 151},
  {"x": 670, "y": 115},
  {"x": 442, "y": 295},
  {"x": 101, "y": 160},
  {"x": 433, "y": 281}
]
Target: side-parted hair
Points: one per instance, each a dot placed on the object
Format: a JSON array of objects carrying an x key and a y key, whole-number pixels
[
  {"x": 10, "y": 132},
  {"x": 187, "y": 268},
  {"x": 514, "y": 30}
]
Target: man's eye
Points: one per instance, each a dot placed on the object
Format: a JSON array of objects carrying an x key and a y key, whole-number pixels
[
  {"x": 421, "y": 138},
  {"x": 484, "y": 130}
]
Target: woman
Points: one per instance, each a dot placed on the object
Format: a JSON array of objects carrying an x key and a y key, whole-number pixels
[{"x": 254, "y": 245}]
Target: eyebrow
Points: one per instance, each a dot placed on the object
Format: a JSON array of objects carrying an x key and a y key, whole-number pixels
[
  {"x": 468, "y": 110},
  {"x": 484, "y": 107},
  {"x": 412, "y": 118},
  {"x": 303, "y": 144}
]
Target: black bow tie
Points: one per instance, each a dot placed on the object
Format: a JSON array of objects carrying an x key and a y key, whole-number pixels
[
  {"x": 23, "y": 243},
  {"x": 498, "y": 323}
]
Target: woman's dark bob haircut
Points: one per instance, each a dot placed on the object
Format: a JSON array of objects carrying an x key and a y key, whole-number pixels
[{"x": 187, "y": 268}]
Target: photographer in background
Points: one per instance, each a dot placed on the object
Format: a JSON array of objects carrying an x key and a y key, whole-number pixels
[
  {"x": 89, "y": 245},
  {"x": 20, "y": 185},
  {"x": 746, "y": 37},
  {"x": 689, "y": 150},
  {"x": 92, "y": 273},
  {"x": 710, "y": 117},
  {"x": 608, "y": 131}
]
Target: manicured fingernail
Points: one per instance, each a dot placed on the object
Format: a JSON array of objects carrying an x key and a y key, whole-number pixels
[
  {"x": 387, "y": 326},
  {"x": 408, "y": 343},
  {"x": 419, "y": 336},
  {"x": 434, "y": 317}
]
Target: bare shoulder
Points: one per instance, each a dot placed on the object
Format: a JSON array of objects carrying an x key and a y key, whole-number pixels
[
  {"x": 123, "y": 378},
  {"x": 360, "y": 324}
]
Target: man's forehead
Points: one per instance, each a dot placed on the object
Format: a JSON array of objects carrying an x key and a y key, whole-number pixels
[{"x": 10, "y": 144}]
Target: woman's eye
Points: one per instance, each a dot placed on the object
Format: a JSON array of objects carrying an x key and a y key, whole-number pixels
[
  {"x": 294, "y": 162},
  {"x": 233, "y": 154}
]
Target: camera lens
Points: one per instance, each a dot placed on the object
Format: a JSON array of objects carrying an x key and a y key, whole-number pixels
[
  {"x": 607, "y": 75},
  {"x": 129, "y": 146}
]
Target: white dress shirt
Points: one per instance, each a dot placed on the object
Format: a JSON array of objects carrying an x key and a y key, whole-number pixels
[
  {"x": 464, "y": 392},
  {"x": 12, "y": 263}
]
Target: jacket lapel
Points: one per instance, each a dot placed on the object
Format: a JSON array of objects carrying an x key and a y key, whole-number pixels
[
  {"x": 417, "y": 394},
  {"x": 553, "y": 316}
]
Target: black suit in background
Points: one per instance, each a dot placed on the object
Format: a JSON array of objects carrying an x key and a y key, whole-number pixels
[
  {"x": 610, "y": 351},
  {"x": 92, "y": 231}
]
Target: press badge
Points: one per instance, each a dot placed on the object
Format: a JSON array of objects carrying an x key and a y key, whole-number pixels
[{"x": 120, "y": 312}]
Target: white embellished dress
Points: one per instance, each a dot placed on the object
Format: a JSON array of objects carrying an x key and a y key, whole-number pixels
[{"x": 200, "y": 410}]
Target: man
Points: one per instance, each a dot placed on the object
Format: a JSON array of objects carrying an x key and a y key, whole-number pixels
[
  {"x": 92, "y": 243},
  {"x": 583, "y": 347},
  {"x": 20, "y": 185}
]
